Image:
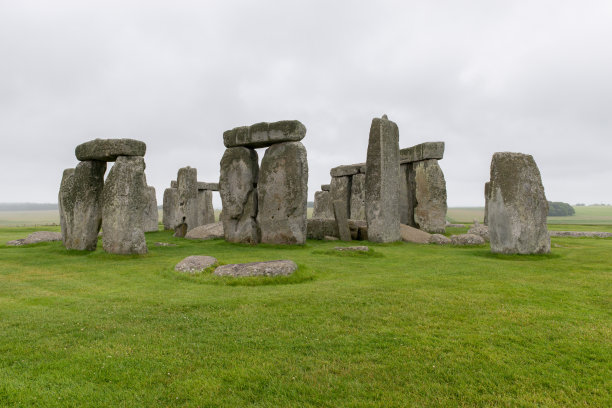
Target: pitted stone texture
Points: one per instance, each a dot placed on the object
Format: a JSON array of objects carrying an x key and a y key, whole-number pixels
[
  {"x": 36, "y": 237},
  {"x": 189, "y": 203},
  {"x": 171, "y": 216},
  {"x": 342, "y": 220},
  {"x": 268, "y": 268},
  {"x": 439, "y": 239},
  {"x": 322, "y": 205},
  {"x": 264, "y": 134},
  {"x": 208, "y": 186},
  {"x": 430, "y": 194},
  {"x": 238, "y": 180},
  {"x": 348, "y": 170},
  {"x": 151, "y": 215},
  {"x": 359, "y": 248},
  {"x": 517, "y": 206},
  {"x": 208, "y": 231},
  {"x": 109, "y": 149},
  {"x": 410, "y": 234},
  {"x": 340, "y": 189},
  {"x": 195, "y": 264},
  {"x": 124, "y": 200},
  {"x": 358, "y": 197},
  {"x": 467, "y": 239},
  {"x": 80, "y": 205},
  {"x": 487, "y": 193},
  {"x": 205, "y": 208},
  {"x": 325, "y": 187},
  {"x": 319, "y": 228},
  {"x": 423, "y": 151},
  {"x": 407, "y": 198},
  {"x": 480, "y": 230},
  {"x": 382, "y": 182},
  {"x": 283, "y": 194}
]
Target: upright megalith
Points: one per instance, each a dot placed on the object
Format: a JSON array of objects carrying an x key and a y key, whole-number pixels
[
  {"x": 80, "y": 205},
  {"x": 124, "y": 199},
  {"x": 382, "y": 182},
  {"x": 357, "y": 206},
  {"x": 487, "y": 194},
  {"x": 430, "y": 196},
  {"x": 189, "y": 214},
  {"x": 282, "y": 194},
  {"x": 151, "y": 215},
  {"x": 171, "y": 216},
  {"x": 238, "y": 189},
  {"x": 322, "y": 205},
  {"x": 517, "y": 206},
  {"x": 340, "y": 190},
  {"x": 206, "y": 212}
]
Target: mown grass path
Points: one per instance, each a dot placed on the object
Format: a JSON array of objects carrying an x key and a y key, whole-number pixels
[{"x": 407, "y": 325}]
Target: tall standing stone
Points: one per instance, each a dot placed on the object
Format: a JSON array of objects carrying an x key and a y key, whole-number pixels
[
  {"x": 382, "y": 182},
  {"x": 323, "y": 205},
  {"x": 80, "y": 205},
  {"x": 407, "y": 199},
  {"x": 357, "y": 211},
  {"x": 430, "y": 195},
  {"x": 124, "y": 200},
  {"x": 487, "y": 193},
  {"x": 283, "y": 194},
  {"x": 205, "y": 208},
  {"x": 187, "y": 181},
  {"x": 151, "y": 215},
  {"x": 517, "y": 206},
  {"x": 342, "y": 220},
  {"x": 238, "y": 189},
  {"x": 340, "y": 189},
  {"x": 171, "y": 217}
]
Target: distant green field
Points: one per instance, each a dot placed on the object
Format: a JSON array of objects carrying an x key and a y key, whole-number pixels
[{"x": 591, "y": 215}]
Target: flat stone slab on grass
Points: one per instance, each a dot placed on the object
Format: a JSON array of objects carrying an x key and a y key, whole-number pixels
[
  {"x": 268, "y": 268},
  {"x": 265, "y": 134},
  {"x": 195, "y": 263},
  {"x": 360, "y": 248},
  {"x": 109, "y": 149},
  {"x": 208, "y": 231},
  {"x": 590, "y": 234},
  {"x": 36, "y": 237},
  {"x": 439, "y": 239},
  {"x": 467, "y": 239},
  {"x": 410, "y": 234},
  {"x": 164, "y": 244}
]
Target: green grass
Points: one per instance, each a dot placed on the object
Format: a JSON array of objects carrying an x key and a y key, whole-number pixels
[{"x": 410, "y": 326}]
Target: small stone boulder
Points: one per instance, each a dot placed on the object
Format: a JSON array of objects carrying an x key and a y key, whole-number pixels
[
  {"x": 268, "y": 268},
  {"x": 480, "y": 230},
  {"x": 208, "y": 231},
  {"x": 36, "y": 237},
  {"x": 410, "y": 234},
  {"x": 439, "y": 239},
  {"x": 466, "y": 239},
  {"x": 195, "y": 263},
  {"x": 109, "y": 149}
]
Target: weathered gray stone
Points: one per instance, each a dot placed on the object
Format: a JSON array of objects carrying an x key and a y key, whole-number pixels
[
  {"x": 407, "y": 197},
  {"x": 342, "y": 220},
  {"x": 237, "y": 187},
  {"x": 264, "y": 134},
  {"x": 80, "y": 205},
  {"x": 16, "y": 242},
  {"x": 359, "y": 248},
  {"x": 358, "y": 197},
  {"x": 430, "y": 194},
  {"x": 577, "y": 234},
  {"x": 322, "y": 205},
  {"x": 205, "y": 207},
  {"x": 325, "y": 238},
  {"x": 123, "y": 204},
  {"x": 517, "y": 206},
  {"x": 208, "y": 231},
  {"x": 480, "y": 230},
  {"x": 195, "y": 263},
  {"x": 423, "y": 151},
  {"x": 189, "y": 202},
  {"x": 208, "y": 186},
  {"x": 382, "y": 182},
  {"x": 410, "y": 234},
  {"x": 109, "y": 149},
  {"x": 36, "y": 237},
  {"x": 340, "y": 189},
  {"x": 325, "y": 187},
  {"x": 151, "y": 215},
  {"x": 359, "y": 230},
  {"x": 439, "y": 239},
  {"x": 348, "y": 170},
  {"x": 319, "y": 228},
  {"x": 173, "y": 184},
  {"x": 466, "y": 239},
  {"x": 268, "y": 268},
  {"x": 283, "y": 194},
  {"x": 171, "y": 216},
  {"x": 487, "y": 193}
]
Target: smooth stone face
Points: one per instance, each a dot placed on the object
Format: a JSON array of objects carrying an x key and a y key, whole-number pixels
[
  {"x": 342, "y": 220},
  {"x": 439, "y": 239},
  {"x": 283, "y": 194},
  {"x": 208, "y": 231},
  {"x": 423, "y": 151},
  {"x": 189, "y": 202},
  {"x": 264, "y": 134},
  {"x": 487, "y": 193},
  {"x": 361, "y": 248},
  {"x": 124, "y": 199},
  {"x": 238, "y": 180},
  {"x": 208, "y": 186},
  {"x": 195, "y": 264},
  {"x": 430, "y": 194},
  {"x": 325, "y": 187},
  {"x": 205, "y": 208},
  {"x": 410, "y": 234},
  {"x": 80, "y": 205},
  {"x": 358, "y": 197},
  {"x": 171, "y": 217},
  {"x": 269, "y": 268},
  {"x": 109, "y": 149},
  {"x": 517, "y": 206},
  {"x": 340, "y": 189},
  {"x": 382, "y": 182},
  {"x": 466, "y": 239},
  {"x": 322, "y": 205},
  {"x": 151, "y": 215},
  {"x": 348, "y": 170}
]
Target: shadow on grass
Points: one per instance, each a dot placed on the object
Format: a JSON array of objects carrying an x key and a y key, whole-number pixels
[{"x": 206, "y": 277}]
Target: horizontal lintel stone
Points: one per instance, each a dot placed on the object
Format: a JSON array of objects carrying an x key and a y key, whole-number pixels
[
  {"x": 423, "y": 151},
  {"x": 348, "y": 170},
  {"x": 109, "y": 149},
  {"x": 265, "y": 134}
]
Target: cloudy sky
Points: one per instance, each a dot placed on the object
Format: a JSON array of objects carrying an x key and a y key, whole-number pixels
[{"x": 483, "y": 76}]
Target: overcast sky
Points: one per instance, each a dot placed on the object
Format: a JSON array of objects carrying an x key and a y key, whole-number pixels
[{"x": 483, "y": 76}]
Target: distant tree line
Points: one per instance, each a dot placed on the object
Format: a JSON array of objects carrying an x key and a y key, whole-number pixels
[{"x": 559, "y": 209}]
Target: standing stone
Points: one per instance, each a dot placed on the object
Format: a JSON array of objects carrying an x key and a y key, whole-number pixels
[
  {"x": 357, "y": 208},
  {"x": 124, "y": 200},
  {"x": 187, "y": 181},
  {"x": 382, "y": 182},
  {"x": 430, "y": 195},
  {"x": 283, "y": 194},
  {"x": 342, "y": 220},
  {"x": 238, "y": 189},
  {"x": 171, "y": 216},
  {"x": 517, "y": 206},
  {"x": 340, "y": 189},
  {"x": 487, "y": 193},
  {"x": 151, "y": 215},
  {"x": 80, "y": 205},
  {"x": 205, "y": 208},
  {"x": 323, "y": 205},
  {"x": 407, "y": 199}
]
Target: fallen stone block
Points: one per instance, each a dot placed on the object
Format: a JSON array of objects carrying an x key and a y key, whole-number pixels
[
  {"x": 360, "y": 248},
  {"x": 268, "y": 268},
  {"x": 439, "y": 239},
  {"x": 195, "y": 264},
  {"x": 208, "y": 231},
  {"x": 414, "y": 235},
  {"x": 466, "y": 239}
]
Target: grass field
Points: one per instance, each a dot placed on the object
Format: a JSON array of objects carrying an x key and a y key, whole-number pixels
[
  {"x": 587, "y": 215},
  {"x": 406, "y": 325}
]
